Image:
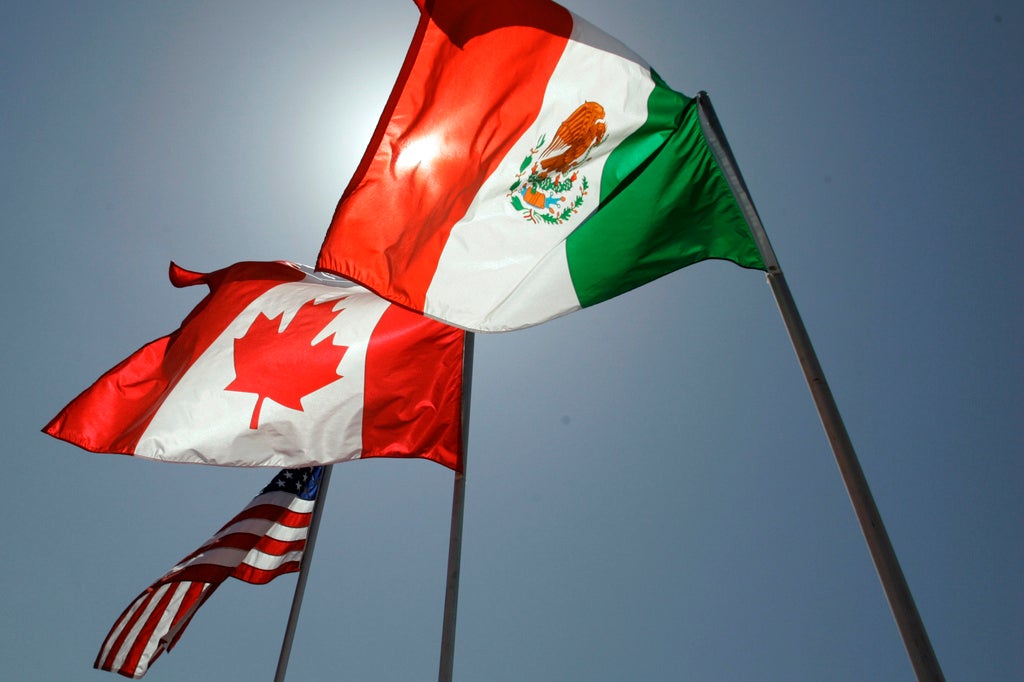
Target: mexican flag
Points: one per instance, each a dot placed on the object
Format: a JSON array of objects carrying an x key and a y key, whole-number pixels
[
  {"x": 279, "y": 366},
  {"x": 528, "y": 165}
]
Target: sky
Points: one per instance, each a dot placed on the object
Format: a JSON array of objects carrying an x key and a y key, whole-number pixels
[{"x": 650, "y": 494}]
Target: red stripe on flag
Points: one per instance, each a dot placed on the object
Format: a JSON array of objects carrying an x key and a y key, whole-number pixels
[
  {"x": 126, "y": 621},
  {"x": 195, "y": 596},
  {"x": 265, "y": 544},
  {"x": 268, "y": 545},
  {"x": 145, "y": 636},
  {"x": 245, "y": 541},
  {"x": 273, "y": 512},
  {"x": 190, "y": 596},
  {"x": 259, "y": 576},
  {"x": 410, "y": 400},
  {"x": 216, "y": 574},
  {"x": 455, "y": 112}
]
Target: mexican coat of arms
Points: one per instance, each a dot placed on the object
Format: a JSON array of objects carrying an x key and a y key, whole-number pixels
[{"x": 548, "y": 188}]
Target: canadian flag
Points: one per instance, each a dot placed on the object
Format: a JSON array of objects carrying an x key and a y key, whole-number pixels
[{"x": 280, "y": 366}]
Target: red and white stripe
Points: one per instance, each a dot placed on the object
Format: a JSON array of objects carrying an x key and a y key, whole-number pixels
[{"x": 262, "y": 542}]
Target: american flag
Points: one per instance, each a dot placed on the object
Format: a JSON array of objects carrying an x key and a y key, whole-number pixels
[{"x": 265, "y": 540}]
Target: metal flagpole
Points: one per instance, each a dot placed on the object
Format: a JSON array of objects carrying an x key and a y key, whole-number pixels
[
  {"x": 901, "y": 602},
  {"x": 451, "y": 595},
  {"x": 300, "y": 585}
]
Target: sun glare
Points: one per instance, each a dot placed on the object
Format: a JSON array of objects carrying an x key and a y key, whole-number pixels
[{"x": 421, "y": 152}]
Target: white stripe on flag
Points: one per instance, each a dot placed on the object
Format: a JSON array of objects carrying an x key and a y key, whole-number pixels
[
  {"x": 269, "y": 562},
  {"x": 163, "y": 624},
  {"x": 131, "y": 640},
  {"x": 232, "y": 557},
  {"x": 281, "y": 498},
  {"x": 115, "y": 631},
  {"x": 263, "y": 527}
]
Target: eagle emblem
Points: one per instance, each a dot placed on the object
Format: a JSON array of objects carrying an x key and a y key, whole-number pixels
[{"x": 548, "y": 187}]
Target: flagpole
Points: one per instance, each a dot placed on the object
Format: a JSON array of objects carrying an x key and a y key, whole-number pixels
[
  {"x": 451, "y": 596},
  {"x": 300, "y": 585},
  {"x": 894, "y": 583}
]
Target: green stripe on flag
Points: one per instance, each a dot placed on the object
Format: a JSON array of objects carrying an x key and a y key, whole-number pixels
[
  {"x": 664, "y": 109},
  {"x": 673, "y": 211}
]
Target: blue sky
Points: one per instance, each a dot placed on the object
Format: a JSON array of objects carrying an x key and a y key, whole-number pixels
[{"x": 650, "y": 493}]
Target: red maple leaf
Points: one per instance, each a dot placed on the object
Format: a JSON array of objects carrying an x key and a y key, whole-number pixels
[{"x": 286, "y": 365}]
